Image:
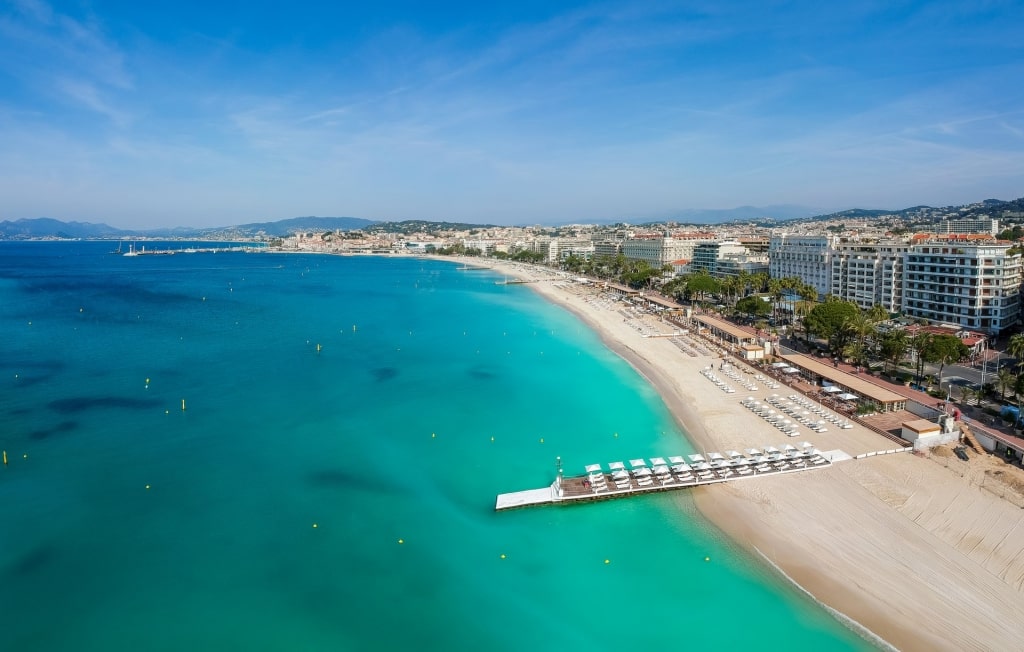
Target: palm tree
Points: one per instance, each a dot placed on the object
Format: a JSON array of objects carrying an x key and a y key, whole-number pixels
[
  {"x": 919, "y": 343},
  {"x": 966, "y": 394},
  {"x": 1004, "y": 381},
  {"x": 1016, "y": 348},
  {"x": 859, "y": 328}
]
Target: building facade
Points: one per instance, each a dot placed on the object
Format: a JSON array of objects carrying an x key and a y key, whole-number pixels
[
  {"x": 869, "y": 273},
  {"x": 976, "y": 286},
  {"x": 807, "y": 257}
]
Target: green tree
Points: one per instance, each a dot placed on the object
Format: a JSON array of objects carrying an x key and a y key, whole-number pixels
[
  {"x": 945, "y": 349},
  {"x": 1015, "y": 347},
  {"x": 754, "y": 306},
  {"x": 702, "y": 284},
  {"x": 919, "y": 343},
  {"x": 827, "y": 320},
  {"x": 858, "y": 329},
  {"x": 1004, "y": 381},
  {"x": 893, "y": 347}
]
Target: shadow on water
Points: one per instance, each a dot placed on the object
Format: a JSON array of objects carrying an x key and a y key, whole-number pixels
[
  {"x": 382, "y": 374},
  {"x": 83, "y": 403},
  {"x": 340, "y": 479},
  {"x": 481, "y": 373},
  {"x": 45, "y": 433},
  {"x": 32, "y": 561}
]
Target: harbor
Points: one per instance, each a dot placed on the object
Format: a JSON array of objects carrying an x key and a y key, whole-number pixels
[{"x": 615, "y": 480}]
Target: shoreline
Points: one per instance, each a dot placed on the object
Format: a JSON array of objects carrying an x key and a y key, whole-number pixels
[{"x": 892, "y": 544}]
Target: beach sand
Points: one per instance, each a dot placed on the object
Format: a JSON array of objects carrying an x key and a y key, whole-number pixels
[{"x": 921, "y": 556}]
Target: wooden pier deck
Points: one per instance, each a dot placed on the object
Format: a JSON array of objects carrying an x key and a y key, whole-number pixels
[{"x": 622, "y": 483}]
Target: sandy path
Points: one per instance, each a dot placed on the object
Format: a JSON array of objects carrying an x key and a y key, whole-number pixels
[{"x": 919, "y": 555}]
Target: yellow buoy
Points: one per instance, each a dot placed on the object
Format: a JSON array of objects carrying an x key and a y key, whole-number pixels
[
  {"x": 707, "y": 559},
  {"x": 353, "y": 328},
  {"x": 147, "y": 487},
  {"x": 607, "y": 561},
  {"x": 542, "y": 440},
  {"x": 182, "y": 405},
  {"x": 167, "y": 411},
  {"x": 5, "y": 458},
  {"x": 315, "y": 526},
  {"x": 24, "y": 456},
  {"x": 401, "y": 541},
  {"x": 616, "y": 435},
  {"x": 502, "y": 555},
  {"x": 81, "y": 310},
  {"x": 492, "y": 438},
  {"x": 433, "y": 435},
  {"x": 147, "y": 381}
]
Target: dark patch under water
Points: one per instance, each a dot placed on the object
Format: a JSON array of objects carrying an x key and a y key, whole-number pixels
[
  {"x": 480, "y": 373},
  {"x": 83, "y": 403},
  {"x": 33, "y": 560},
  {"x": 341, "y": 479},
  {"x": 62, "y": 427},
  {"x": 382, "y": 374}
]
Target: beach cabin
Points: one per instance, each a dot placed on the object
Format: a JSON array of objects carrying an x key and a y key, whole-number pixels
[
  {"x": 920, "y": 429},
  {"x": 752, "y": 352}
]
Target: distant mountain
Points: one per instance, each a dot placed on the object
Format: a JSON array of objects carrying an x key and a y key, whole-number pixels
[
  {"x": 289, "y": 226},
  {"x": 45, "y": 227},
  {"x": 742, "y": 214}
]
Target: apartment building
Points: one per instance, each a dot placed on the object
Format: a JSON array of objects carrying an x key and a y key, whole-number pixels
[
  {"x": 807, "y": 257},
  {"x": 968, "y": 225},
  {"x": 869, "y": 273},
  {"x": 658, "y": 250},
  {"x": 973, "y": 285}
]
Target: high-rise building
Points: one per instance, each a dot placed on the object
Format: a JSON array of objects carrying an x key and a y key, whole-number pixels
[
  {"x": 973, "y": 285},
  {"x": 869, "y": 273},
  {"x": 807, "y": 257}
]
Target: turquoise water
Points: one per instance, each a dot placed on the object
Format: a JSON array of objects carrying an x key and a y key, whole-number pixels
[{"x": 431, "y": 393}]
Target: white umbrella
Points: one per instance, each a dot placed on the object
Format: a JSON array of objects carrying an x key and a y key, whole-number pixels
[
  {"x": 638, "y": 462},
  {"x": 832, "y": 389},
  {"x": 696, "y": 457},
  {"x": 616, "y": 466},
  {"x": 643, "y": 470},
  {"x": 753, "y": 451},
  {"x": 621, "y": 474},
  {"x": 716, "y": 456},
  {"x": 661, "y": 469},
  {"x": 733, "y": 453},
  {"x": 657, "y": 461},
  {"x": 593, "y": 468},
  {"x": 677, "y": 459}
]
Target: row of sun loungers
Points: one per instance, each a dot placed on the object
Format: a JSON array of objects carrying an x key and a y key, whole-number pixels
[
  {"x": 677, "y": 471},
  {"x": 708, "y": 373},
  {"x": 733, "y": 372},
  {"x": 769, "y": 414},
  {"x": 820, "y": 410}
]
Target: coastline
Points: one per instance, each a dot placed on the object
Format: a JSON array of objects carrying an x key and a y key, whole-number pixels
[{"x": 911, "y": 552}]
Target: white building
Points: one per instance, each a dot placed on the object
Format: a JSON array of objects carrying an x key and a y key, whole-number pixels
[
  {"x": 976, "y": 286},
  {"x": 658, "y": 251},
  {"x": 807, "y": 257},
  {"x": 968, "y": 225},
  {"x": 869, "y": 273}
]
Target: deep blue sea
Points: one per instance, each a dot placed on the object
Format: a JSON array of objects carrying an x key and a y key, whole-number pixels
[{"x": 330, "y": 483}]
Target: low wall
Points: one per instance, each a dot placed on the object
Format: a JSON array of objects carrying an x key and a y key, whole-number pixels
[
  {"x": 891, "y": 451},
  {"x": 923, "y": 411},
  {"x": 922, "y": 443}
]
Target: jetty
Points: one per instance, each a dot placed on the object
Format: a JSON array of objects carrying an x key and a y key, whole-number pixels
[
  {"x": 132, "y": 251},
  {"x": 617, "y": 481}
]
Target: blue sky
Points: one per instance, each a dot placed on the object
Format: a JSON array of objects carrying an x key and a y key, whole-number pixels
[{"x": 218, "y": 113}]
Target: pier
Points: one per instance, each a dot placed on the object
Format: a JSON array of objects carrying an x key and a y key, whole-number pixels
[
  {"x": 616, "y": 481},
  {"x": 132, "y": 251}
]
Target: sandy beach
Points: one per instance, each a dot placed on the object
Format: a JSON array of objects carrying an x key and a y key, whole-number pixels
[{"x": 913, "y": 550}]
